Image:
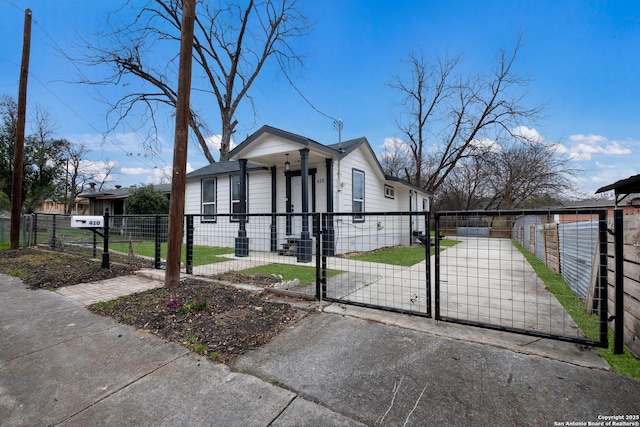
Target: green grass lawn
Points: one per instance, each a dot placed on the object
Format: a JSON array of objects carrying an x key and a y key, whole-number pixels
[
  {"x": 201, "y": 254},
  {"x": 305, "y": 275},
  {"x": 624, "y": 364},
  {"x": 402, "y": 255}
]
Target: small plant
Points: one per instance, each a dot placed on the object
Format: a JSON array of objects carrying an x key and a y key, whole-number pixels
[
  {"x": 214, "y": 355},
  {"x": 107, "y": 305},
  {"x": 200, "y": 348},
  {"x": 200, "y": 303},
  {"x": 190, "y": 339},
  {"x": 174, "y": 304},
  {"x": 17, "y": 273}
]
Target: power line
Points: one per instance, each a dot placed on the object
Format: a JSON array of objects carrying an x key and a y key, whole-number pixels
[
  {"x": 13, "y": 5},
  {"x": 57, "y": 47},
  {"x": 336, "y": 122}
]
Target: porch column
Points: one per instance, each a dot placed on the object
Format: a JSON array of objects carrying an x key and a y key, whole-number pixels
[
  {"x": 328, "y": 233},
  {"x": 304, "y": 246},
  {"x": 274, "y": 218},
  {"x": 242, "y": 241}
]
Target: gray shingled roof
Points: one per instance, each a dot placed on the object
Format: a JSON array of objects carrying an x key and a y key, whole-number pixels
[
  {"x": 120, "y": 192},
  {"x": 220, "y": 168},
  {"x": 340, "y": 150}
]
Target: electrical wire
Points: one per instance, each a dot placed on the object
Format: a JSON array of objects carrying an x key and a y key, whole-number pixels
[{"x": 59, "y": 49}]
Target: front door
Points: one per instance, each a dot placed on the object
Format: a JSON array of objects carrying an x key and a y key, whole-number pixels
[{"x": 294, "y": 223}]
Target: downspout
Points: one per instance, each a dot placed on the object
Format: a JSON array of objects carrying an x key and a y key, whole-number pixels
[{"x": 410, "y": 219}]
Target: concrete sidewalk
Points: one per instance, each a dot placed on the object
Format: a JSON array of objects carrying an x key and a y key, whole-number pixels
[{"x": 62, "y": 365}]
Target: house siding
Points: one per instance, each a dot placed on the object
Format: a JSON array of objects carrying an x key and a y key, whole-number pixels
[{"x": 374, "y": 232}]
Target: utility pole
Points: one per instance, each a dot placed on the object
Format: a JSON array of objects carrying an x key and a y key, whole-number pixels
[
  {"x": 178, "y": 181},
  {"x": 18, "y": 146}
]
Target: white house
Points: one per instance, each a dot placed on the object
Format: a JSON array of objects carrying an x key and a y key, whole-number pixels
[{"x": 288, "y": 173}]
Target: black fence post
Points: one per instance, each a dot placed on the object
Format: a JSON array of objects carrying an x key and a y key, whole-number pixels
[
  {"x": 618, "y": 340},
  {"x": 320, "y": 272},
  {"x": 427, "y": 247},
  {"x": 156, "y": 252},
  {"x": 603, "y": 291},
  {"x": 52, "y": 242},
  {"x": 105, "y": 252},
  {"x": 437, "y": 266},
  {"x": 189, "y": 249},
  {"x": 95, "y": 244},
  {"x": 35, "y": 229},
  {"x": 23, "y": 226}
]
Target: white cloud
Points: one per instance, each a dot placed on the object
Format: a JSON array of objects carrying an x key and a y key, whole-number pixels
[
  {"x": 160, "y": 175},
  {"x": 604, "y": 166},
  {"x": 589, "y": 139},
  {"x": 528, "y": 134},
  {"x": 214, "y": 142},
  {"x": 616, "y": 149},
  {"x": 588, "y": 145},
  {"x": 134, "y": 171},
  {"x": 392, "y": 144},
  {"x": 124, "y": 143},
  {"x": 97, "y": 169},
  {"x": 164, "y": 175},
  {"x": 486, "y": 144}
]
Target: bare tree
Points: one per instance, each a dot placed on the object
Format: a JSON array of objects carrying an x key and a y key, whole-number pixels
[
  {"x": 233, "y": 40},
  {"x": 444, "y": 115},
  {"x": 525, "y": 174},
  {"x": 396, "y": 159},
  {"x": 520, "y": 173},
  {"x": 76, "y": 178},
  {"x": 464, "y": 188}
]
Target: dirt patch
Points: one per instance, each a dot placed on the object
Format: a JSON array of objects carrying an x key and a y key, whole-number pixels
[
  {"x": 51, "y": 270},
  {"x": 217, "y": 321}
]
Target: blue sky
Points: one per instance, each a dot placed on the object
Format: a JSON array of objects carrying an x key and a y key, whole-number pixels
[{"x": 582, "y": 58}]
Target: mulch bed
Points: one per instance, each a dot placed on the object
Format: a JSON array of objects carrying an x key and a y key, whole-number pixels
[
  {"x": 217, "y": 321},
  {"x": 52, "y": 270},
  {"x": 214, "y": 320}
]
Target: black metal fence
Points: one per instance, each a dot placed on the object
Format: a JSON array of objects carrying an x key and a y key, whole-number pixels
[
  {"x": 380, "y": 260},
  {"x": 494, "y": 279},
  {"x": 484, "y": 275}
]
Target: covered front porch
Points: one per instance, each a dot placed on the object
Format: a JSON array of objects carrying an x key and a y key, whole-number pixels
[{"x": 301, "y": 182}]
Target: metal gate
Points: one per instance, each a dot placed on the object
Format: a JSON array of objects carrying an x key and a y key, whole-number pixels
[
  {"x": 492, "y": 279},
  {"x": 377, "y": 260}
]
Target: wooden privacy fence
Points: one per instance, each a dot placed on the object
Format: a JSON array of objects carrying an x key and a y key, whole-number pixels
[{"x": 631, "y": 280}]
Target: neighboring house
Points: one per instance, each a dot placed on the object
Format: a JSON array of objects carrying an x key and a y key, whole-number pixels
[
  {"x": 113, "y": 198},
  {"x": 80, "y": 207},
  {"x": 287, "y": 173},
  {"x": 629, "y": 206}
]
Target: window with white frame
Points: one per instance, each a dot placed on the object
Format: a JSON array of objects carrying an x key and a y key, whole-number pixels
[
  {"x": 389, "y": 192},
  {"x": 235, "y": 196},
  {"x": 357, "y": 191},
  {"x": 209, "y": 195},
  {"x": 425, "y": 204}
]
